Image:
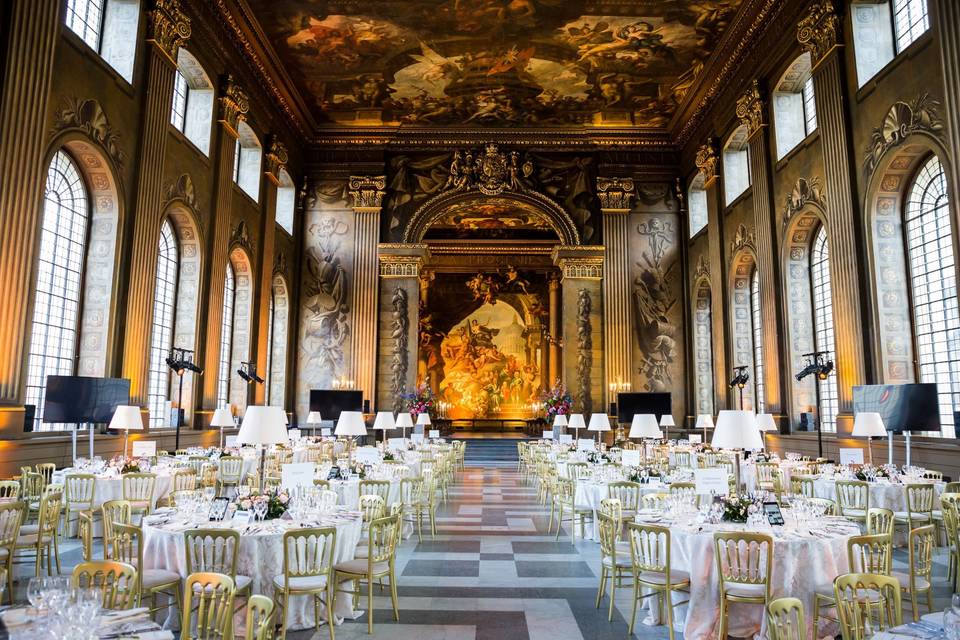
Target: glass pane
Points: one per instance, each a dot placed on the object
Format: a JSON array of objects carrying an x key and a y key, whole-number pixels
[
  {"x": 823, "y": 327},
  {"x": 755, "y": 317},
  {"x": 226, "y": 340},
  {"x": 161, "y": 340}
]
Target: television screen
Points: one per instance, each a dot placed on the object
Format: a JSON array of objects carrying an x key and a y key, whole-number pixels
[
  {"x": 903, "y": 407},
  {"x": 330, "y": 402},
  {"x": 80, "y": 399},
  {"x": 630, "y": 404}
]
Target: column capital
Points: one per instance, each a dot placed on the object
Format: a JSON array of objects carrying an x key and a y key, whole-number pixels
[
  {"x": 234, "y": 105},
  {"x": 402, "y": 260},
  {"x": 616, "y": 194},
  {"x": 819, "y": 32},
  {"x": 367, "y": 193},
  {"x": 275, "y": 159},
  {"x": 706, "y": 160},
  {"x": 751, "y": 109},
  {"x": 168, "y": 27},
  {"x": 581, "y": 262}
]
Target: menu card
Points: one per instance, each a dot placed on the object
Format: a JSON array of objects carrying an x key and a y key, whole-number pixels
[
  {"x": 586, "y": 445},
  {"x": 396, "y": 444},
  {"x": 566, "y": 438},
  {"x": 711, "y": 482},
  {"x": 695, "y": 438},
  {"x": 434, "y": 434},
  {"x": 548, "y": 435},
  {"x": 851, "y": 456},
  {"x": 325, "y": 432},
  {"x": 143, "y": 448},
  {"x": 630, "y": 458},
  {"x": 231, "y": 442},
  {"x": 297, "y": 474}
]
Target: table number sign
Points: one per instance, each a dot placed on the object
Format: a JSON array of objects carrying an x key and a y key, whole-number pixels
[
  {"x": 711, "y": 482},
  {"x": 773, "y": 513},
  {"x": 218, "y": 509},
  {"x": 366, "y": 455},
  {"x": 242, "y": 517},
  {"x": 548, "y": 435},
  {"x": 434, "y": 434},
  {"x": 566, "y": 438},
  {"x": 586, "y": 445},
  {"x": 630, "y": 458},
  {"x": 325, "y": 432},
  {"x": 231, "y": 442},
  {"x": 695, "y": 438},
  {"x": 851, "y": 456},
  {"x": 396, "y": 444},
  {"x": 293, "y": 434},
  {"x": 416, "y": 438},
  {"x": 297, "y": 474},
  {"x": 143, "y": 449}
]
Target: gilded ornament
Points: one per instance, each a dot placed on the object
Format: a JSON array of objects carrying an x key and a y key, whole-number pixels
[
  {"x": 805, "y": 192},
  {"x": 88, "y": 116},
  {"x": 819, "y": 32},
  {"x": 234, "y": 105},
  {"x": 276, "y": 158},
  {"x": 706, "y": 160},
  {"x": 904, "y": 119},
  {"x": 615, "y": 193},
  {"x": 703, "y": 268},
  {"x": 169, "y": 28},
  {"x": 744, "y": 238},
  {"x": 367, "y": 192},
  {"x": 750, "y": 109}
]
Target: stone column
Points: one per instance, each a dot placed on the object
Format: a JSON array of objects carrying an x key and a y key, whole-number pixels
[
  {"x": 34, "y": 30},
  {"x": 275, "y": 159},
  {"x": 616, "y": 196},
  {"x": 168, "y": 28},
  {"x": 367, "y": 193},
  {"x": 556, "y": 348},
  {"x": 582, "y": 305},
  {"x": 752, "y": 111},
  {"x": 707, "y": 160},
  {"x": 819, "y": 34},
  {"x": 947, "y": 20},
  {"x": 399, "y": 318},
  {"x": 233, "y": 105}
]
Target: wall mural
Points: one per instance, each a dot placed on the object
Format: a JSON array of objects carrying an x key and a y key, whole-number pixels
[
  {"x": 480, "y": 338},
  {"x": 400, "y": 360},
  {"x": 656, "y": 302},
  {"x": 584, "y": 351},
  {"x": 495, "y": 62}
]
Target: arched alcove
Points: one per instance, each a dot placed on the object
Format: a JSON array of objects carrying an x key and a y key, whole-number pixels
[
  {"x": 704, "y": 383},
  {"x": 242, "y": 325},
  {"x": 742, "y": 269}
]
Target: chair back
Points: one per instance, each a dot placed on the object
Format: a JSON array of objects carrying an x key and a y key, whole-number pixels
[
  {"x": 862, "y": 616},
  {"x": 411, "y": 491},
  {"x": 127, "y": 545},
  {"x": 114, "y": 512},
  {"x": 49, "y": 520},
  {"x": 383, "y": 536},
  {"x": 308, "y": 553},
  {"x": 936, "y": 476},
  {"x": 33, "y": 485},
  {"x": 609, "y": 532},
  {"x": 138, "y": 487},
  {"x": 46, "y": 469},
  {"x": 628, "y": 493},
  {"x": 376, "y": 487},
  {"x": 565, "y": 489},
  {"x": 920, "y": 498},
  {"x": 207, "y": 609},
  {"x": 575, "y": 470},
  {"x": 11, "y": 518},
  {"x": 921, "y": 544},
  {"x": 852, "y": 495},
  {"x": 259, "y": 620},
  {"x": 212, "y": 551},
  {"x": 870, "y": 553},
  {"x": 9, "y": 489},
  {"x": 184, "y": 480},
  {"x": 321, "y": 484},
  {"x": 766, "y": 472},
  {"x": 744, "y": 558},
  {"x": 653, "y": 500},
  {"x": 685, "y": 489},
  {"x": 613, "y": 509},
  {"x": 785, "y": 616},
  {"x": 117, "y": 582},
  {"x": 197, "y": 463},
  {"x": 649, "y": 548},
  {"x": 328, "y": 498},
  {"x": 681, "y": 459},
  {"x": 829, "y": 506},
  {"x": 79, "y": 489},
  {"x": 372, "y": 507},
  {"x": 801, "y": 485},
  {"x": 880, "y": 521},
  {"x": 231, "y": 467},
  {"x": 85, "y": 534},
  {"x": 708, "y": 459},
  {"x": 952, "y": 487}
]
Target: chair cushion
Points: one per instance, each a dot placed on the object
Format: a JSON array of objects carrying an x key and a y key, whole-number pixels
[
  {"x": 139, "y": 504},
  {"x": 621, "y": 561},
  {"x": 359, "y": 566},
  {"x": 302, "y": 583},
  {"x": 361, "y": 552},
  {"x": 156, "y": 577},
  {"x": 746, "y": 590},
  {"x": 29, "y": 529},
  {"x": 854, "y": 513},
  {"x": 655, "y": 577},
  {"x": 904, "y": 579},
  {"x": 240, "y": 583},
  {"x": 30, "y": 540},
  {"x": 904, "y": 516}
]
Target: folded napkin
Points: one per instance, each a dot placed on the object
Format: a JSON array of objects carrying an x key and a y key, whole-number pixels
[{"x": 115, "y": 617}]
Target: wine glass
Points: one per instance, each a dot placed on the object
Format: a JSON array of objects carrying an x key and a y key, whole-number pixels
[
  {"x": 37, "y": 593},
  {"x": 951, "y": 619}
]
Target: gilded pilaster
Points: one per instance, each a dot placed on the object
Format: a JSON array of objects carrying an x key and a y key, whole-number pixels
[
  {"x": 33, "y": 29},
  {"x": 367, "y": 193},
  {"x": 168, "y": 28},
  {"x": 819, "y": 33},
  {"x": 616, "y": 199},
  {"x": 556, "y": 348},
  {"x": 947, "y": 20}
]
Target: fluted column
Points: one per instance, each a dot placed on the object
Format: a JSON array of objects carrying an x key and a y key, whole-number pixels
[
  {"x": 947, "y": 20},
  {"x": 233, "y": 107},
  {"x": 556, "y": 350},
  {"x": 752, "y": 111},
  {"x": 367, "y": 193},
  {"x": 275, "y": 159},
  {"x": 819, "y": 34},
  {"x": 707, "y": 161},
  {"x": 168, "y": 28},
  {"x": 33, "y": 30},
  {"x": 616, "y": 196}
]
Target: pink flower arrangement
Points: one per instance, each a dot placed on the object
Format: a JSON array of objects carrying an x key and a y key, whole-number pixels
[
  {"x": 277, "y": 502},
  {"x": 421, "y": 400},
  {"x": 557, "y": 401}
]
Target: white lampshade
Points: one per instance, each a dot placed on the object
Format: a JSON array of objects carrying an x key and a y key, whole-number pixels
[
  {"x": 704, "y": 421},
  {"x": 222, "y": 417},
  {"x": 423, "y": 418},
  {"x": 868, "y": 423},
  {"x": 404, "y": 420},
  {"x": 384, "y": 421},
  {"x": 560, "y": 420},
  {"x": 599, "y": 422},
  {"x": 350, "y": 424},
  {"x": 644, "y": 425},
  {"x": 737, "y": 430},
  {"x": 765, "y": 422},
  {"x": 666, "y": 420},
  {"x": 577, "y": 421},
  {"x": 126, "y": 417},
  {"x": 314, "y": 418},
  {"x": 263, "y": 425}
]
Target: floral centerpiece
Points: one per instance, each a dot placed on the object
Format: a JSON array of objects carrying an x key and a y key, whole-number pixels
[
  {"x": 276, "y": 501},
  {"x": 124, "y": 464},
  {"x": 388, "y": 455},
  {"x": 597, "y": 457},
  {"x": 738, "y": 508},
  {"x": 636, "y": 474},
  {"x": 421, "y": 400},
  {"x": 556, "y": 402},
  {"x": 358, "y": 469},
  {"x": 868, "y": 472}
]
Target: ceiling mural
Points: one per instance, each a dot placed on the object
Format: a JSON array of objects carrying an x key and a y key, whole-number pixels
[
  {"x": 495, "y": 62},
  {"x": 493, "y": 217}
]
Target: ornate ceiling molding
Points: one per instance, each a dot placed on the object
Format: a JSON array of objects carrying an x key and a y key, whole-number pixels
[
  {"x": 819, "y": 32},
  {"x": 168, "y": 27},
  {"x": 234, "y": 105},
  {"x": 615, "y": 194},
  {"x": 751, "y": 109}
]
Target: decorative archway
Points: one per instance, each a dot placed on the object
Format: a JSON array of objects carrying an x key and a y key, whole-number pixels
[
  {"x": 242, "y": 324},
  {"x": 742, "y": 266},
  {"x": 704, "y": 383}
]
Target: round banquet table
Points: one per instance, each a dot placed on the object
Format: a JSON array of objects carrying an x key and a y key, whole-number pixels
[
  {"x": 110, "y": 487},
  {"x": 589, "y": 494},
  {"x": 260, "y": 555},
  {"x": 803, "y": 564},
  {"x": 889, "y": 495}
]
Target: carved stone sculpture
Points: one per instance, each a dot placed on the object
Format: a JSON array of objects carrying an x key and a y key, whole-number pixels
[
  {"x": 399, "y": 330},
  {"x": 584, "y": 350}
]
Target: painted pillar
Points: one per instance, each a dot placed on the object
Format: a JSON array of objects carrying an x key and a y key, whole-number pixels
[
  {"x": 556, "y": 348},
  {"x": 616, "y": 196},
  {"x": 819, "y": 34},
  {"x": 947, "y": 20}
]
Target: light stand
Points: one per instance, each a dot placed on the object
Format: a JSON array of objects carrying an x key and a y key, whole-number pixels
[
  {"x": 577, "y": 422},
  {"x": 179, "y": 361},
  {"x": 222, "y": 417},
  {"x": 740, "y": 379},
  {"x": 818, "y": 364}
]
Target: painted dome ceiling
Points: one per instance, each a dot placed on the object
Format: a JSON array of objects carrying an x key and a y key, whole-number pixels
[{"x": 494, "y": 63}]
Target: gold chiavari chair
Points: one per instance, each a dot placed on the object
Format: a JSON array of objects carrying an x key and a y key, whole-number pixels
[
  {"x": 785, "y": 619},
  {"x": 651, "y": 568},
  {"x": 613, "y": 509},
  {"x": 307, "y": 571},
  {"x": 216, "y": 551},
  {"x": 11, "y": 518},
  {"x": 230, "y": 474},
  {"x": 575, "y": 470},
  {"x": 412, "y": 503},
  {"x": 766, "y": 474},
  {"x": 853, "y": 499},
  {"x": 46, "y": 469},
  {"x": 128, "y": 548},
  {"x": 628, "y": 493},
  {"x": 43, "y": 541},
  {"x": 259, "y": 619},
  {"x": 138, "y": 491},
  {"x": 880, "y": 521},
  {"x": 921, "y": 543},
  {"x": 802, "y": 485},
  {"x": 614, "y": 565},
  {"x": 859, "y": 616},
  {"x": 372, "y": 507},
  {"x": 117, "y": 582},
  {"x": 207, "y": 612},
  {"x": 829, "y": 506},
  {"x": 564, "y": 499},
  {"x": 113, "y": 512},
  {"x": 865, "y": 554},
  {"x": 951, "y": 524},
  {"x": 9, "y": 490},
  {"x": 78, "y": 496},
  {"x": 377, "y": 488},
  {"x": 744, "y": 562},
  {"x": 379, "y": 563}
]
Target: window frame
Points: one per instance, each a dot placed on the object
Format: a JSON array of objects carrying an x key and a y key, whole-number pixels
[
  {"x": 820, "y": 281},
  {"x": 897, "y": 47},
  {"x": 756, "y": 337},
  {"x": 180, "y": 126},
  {"x": 173, "y": 326},
  {"x": 224, "y": 374}
]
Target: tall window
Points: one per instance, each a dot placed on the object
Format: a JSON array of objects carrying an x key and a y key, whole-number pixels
[
  {"x": 54, "y": 337},
  {"x": 178, "y": 112},
  {"x": 882, "y": 29},
  {"x": 226, "y": 339},
  {"x": 271, "y": 318},
  {"x": 933, "y": 287},
  {"x": 286, "y": 202},
  {"x": 736, "y": 166},
  {"x": 757, "y": 330},
  {"x": 809, "y": 107},
  {"x": 109, "y": 27},
  {"x": 794, "y": 106},
  {"x": 246, "y": 160},
  {"x": 164, "y": 309},
  {"x": 823, "y": 327},
  {"x": 910, "y": 21},
  {"x": 192, "y": 110},
  {"x": 697, "y": 205},
  {"x": 703, "y": 337}
]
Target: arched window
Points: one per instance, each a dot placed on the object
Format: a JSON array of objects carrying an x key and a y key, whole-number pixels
[
  {"x": 930, "y": 256},
  {"x": 109, "y": 27},
  {"x": 246, "y": 161},
  {"x": 286, "y": 202},
  {"x": 736, "y": 165},
  {"x": 703, "y": 338},
  {"x": 757, "y": 331},
  {"x": 697, "y": 205},
  {"x": 164, "y": 313},
  {"x": 192, "y": 109},
  {"x": 882, "y": 29},
  {"x": 823, "y": 327},
  {"x": 910, "y": 21},
  {"x": 225, "y": 374},
  {"x": 277, "y": 353},
  {"x": 794, "y": 108},
  {"x": 54, "y": 338}
]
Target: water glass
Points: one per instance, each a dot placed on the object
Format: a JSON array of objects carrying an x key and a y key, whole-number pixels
[{"x": 951, "y": 619}]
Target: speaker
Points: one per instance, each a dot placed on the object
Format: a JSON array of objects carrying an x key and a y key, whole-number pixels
[
  {"x": 366, "y": 406},
  {"x": 29, "y": 415},
  {"x": 808, "y": 422}
]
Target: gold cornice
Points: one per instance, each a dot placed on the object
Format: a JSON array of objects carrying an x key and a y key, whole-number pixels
[
  {"x": 457, "y": 248},
  {"x": 582, "y": 262},
  {"x": 168, "y": 27},
  {"x": 234, "y": 104},
  {"x": 367, "y": 193},
  {"x": 819, "y": 31},
  {"x": 706, "y": 161},
  {"x": 615, "y": 194},
  {"x": 751, "y": 109},
  {"x": 275, "y": 159}
]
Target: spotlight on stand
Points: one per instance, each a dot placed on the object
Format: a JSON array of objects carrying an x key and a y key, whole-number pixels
[
  {"x": 248, "y": 371},
  {"x": 739, "y": 380},
  {"x": 181, "y": 360},
  {"x": 819, "y": 365}
]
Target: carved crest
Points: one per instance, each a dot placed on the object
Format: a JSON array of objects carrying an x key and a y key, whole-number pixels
[
  {"x": 88, "y": 116},
  {"x": 234, "y": 104},
  {"x": 706, "y": 160},
  {"x": 169, "y": 27},
  {"x": 181, "y": 189},
  {"x": 750, "y": 108},
  {"x": 241, "y": 237},
  {"x": 819, "y": 32},
  {"x": 744, "y": 238},
  {"x": 490, "y": 171},
  {"x": 280, "y": 263},
  {"x": 703, "y": 268},
  {"x": 804, "y": 192},
  {"x": 904, "y": 119}
]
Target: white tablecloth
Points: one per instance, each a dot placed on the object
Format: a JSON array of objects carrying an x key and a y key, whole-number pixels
[
  {"x": 589, "y": 495},
  {"x": 883, "y": 494}
]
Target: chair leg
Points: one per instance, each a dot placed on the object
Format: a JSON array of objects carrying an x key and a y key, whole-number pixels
[
  {"x": 722, "y": 631},
  {"x": 331, "y": 602},
  {"x": 913, "y": 604},
  {"x": 633, "y": 612},
  {"x": 370, "y": 605},
  {"x": 602, "y": 586},
  {"x": 393, "y": 595},
  {"x": 283, "y": 615},
  {"x": 559, "y": 522},
  {"x": 668, "y": 598},
  {"x": 613, "y": 592}
]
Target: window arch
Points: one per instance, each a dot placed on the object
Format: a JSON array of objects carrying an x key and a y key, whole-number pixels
[
  {"x": 192, "y": 110},
  {"x": 286, "y": 201},
  {"x": 932, "y": 284},
  {"x": 736, "y": 165},
  {"x": 794, "y": 108},
  {"x": 827, "y": 395},
  {"x": 246, "y": 160},
  {"x": 703, "y": 354},
  {"x": 235, "y": 330},
  {"x": 224, "y": 373},
  {"x": 742, "y": 285},
  {"x": 697, "y": 205},
  {"x": 162, "y": 331},
  {"x": 882, "y": 29},
  {"x": 757, "y": 336},
  {"x": 278, "y": 337},
  {"x": 109, "y": 27},
  {"x": 54, "y": 339}
]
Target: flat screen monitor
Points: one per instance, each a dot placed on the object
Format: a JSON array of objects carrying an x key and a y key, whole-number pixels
[
  {"x": 330, "y": 402},
  {"x": 630, "y": 404},
  {"x": 903, "y": 407},
  {"x": 82, "y": 399}
]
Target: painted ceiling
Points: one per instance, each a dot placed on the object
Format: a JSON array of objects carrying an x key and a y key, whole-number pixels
[
  {"x": 492, "y": 218},
  {"x": 494, "y": 63}
]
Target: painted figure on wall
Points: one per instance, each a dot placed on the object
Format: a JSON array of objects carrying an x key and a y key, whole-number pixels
[
  {"x": 654, "y": 300},
  {"x": 325, "y": 295}
]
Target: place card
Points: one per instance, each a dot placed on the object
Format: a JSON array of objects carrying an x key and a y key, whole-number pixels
[
  {"x": 416, "y": 438},
  {"x": 325, "y": 432},
  {"x": 241, "y": 516},
  {"x": 695, "y": 438},
  {"x": 297, "y": 474},
  {"x": 630, "y": 458},
  {"x": 367, "y": 455},
  {"x": 851, "y": 456},
  {"x": 434, "y": 434},
  {"x": 231, "y": 442},
  {"x": 396, "y": 444},
  {"x": 143, "y": 448},
  {"x": 293, "y": 434},
  {"x": 586, "y": 445},
  {"x": 548, "y": 435},
  {"x": 711, "y": 482},
  {"x": 566, "y": 438}
]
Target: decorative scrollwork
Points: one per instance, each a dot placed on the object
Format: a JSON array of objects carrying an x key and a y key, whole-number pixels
[
  {"x": 275, "y": 158},
  {"x": 241, "y": 238},
  {"x": 490, "y": 171},
  {"x": 750, "y": 108},
  {"x": 904, "y": 119},
  {"x": 399, "y": 331},
  {"x": 703, "y": 268},
  {"x": 805, "y": 192},
  {"x": 88, "y": 116},
  {"x": 819, "y": 32},
  {"x": 706, "y": 159},
  {"x": 169, "y": 28},
  {"x": 584, "y": 350},
  {"x": 744, "y": 238},
  {"x": 234, "y": 104},
  {"x": 367, "y": 192},
  {"x": 181, "y": 189},
  {"x": 615, "y": 193}
]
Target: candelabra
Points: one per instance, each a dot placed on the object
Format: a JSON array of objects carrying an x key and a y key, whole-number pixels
[{"x": 342, "y": 384}]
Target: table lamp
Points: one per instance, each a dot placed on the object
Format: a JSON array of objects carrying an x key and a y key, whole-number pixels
[
  {"x": 868, "y": 424},
  {"x": 350, "y": 424},
  {"x": 666, "y": 421},
  {"x": 644, "y": 426},
  {"x": 765, "y": 423},
  {"x": 704, "y": 421},
  {"x": 423, "y": 420},
  {"x": 737, "y": 429},
  {"x": 599, "y": 422},
  {"x": 577, "y": 422},
  {"x": 222, "y": 417},
  {"x": 313, "y": 419},
  {"x": 559, "y": 420},
  {"x": 404, "y": 421},
  {"x": 263, "y": 425},
  {"x": 126, "y": 418},
  {"x": 384, "y": 421}
]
